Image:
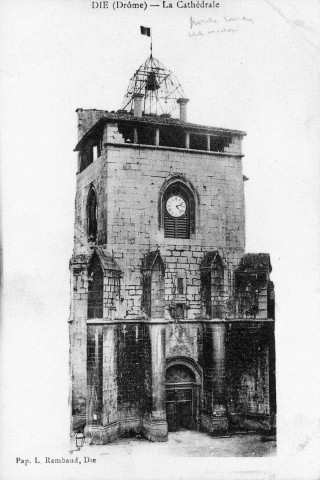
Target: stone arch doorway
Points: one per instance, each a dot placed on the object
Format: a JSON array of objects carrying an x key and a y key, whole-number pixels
[{"x": 183, "y": 394}]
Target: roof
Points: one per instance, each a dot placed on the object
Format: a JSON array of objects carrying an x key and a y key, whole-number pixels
[
  {"x": 80, "y": 259},
  {"x": 210, "y": 258},
  {"x": 126, "y": 117},
  {"x": 107, "y": 262},
  {"x": 255, "y": 262},
  {"x": 150, "y": 259}
]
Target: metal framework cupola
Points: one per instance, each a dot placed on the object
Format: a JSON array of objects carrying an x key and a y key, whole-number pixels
[{"x": 157, "y": 86}]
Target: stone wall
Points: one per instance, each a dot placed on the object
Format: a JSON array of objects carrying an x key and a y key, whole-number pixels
[
  {"x": 118, "y": 362},
  {"x": 183, "y": 340},
  {"x": 250, "y": 374},
  {"x": 136, "y": 175},
  {"x": 236, "y": 360},
  {"x": 87, "y": 118},
  {"x": 127, "y": 181},
  {"x": 94, "y": 374},
  {"x": 78, "y": 343},
  {"x": 133, "y": 366},
  {"x": 119, "y": 379},
  {"x": 110, "y": 374}
]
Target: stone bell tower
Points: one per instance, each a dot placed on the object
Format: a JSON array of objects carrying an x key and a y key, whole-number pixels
[{"x": 172, "y": 323}]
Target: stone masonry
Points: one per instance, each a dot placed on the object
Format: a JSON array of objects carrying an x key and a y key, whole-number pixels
[{"x": 143, "y": 301}]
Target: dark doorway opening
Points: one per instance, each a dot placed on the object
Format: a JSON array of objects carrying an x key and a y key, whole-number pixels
[
  {"x": 182, "y": 399},
  {"x": 179, "y": 409}
]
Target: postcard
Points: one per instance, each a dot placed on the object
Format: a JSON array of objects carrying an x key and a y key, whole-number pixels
[{"x": 160, "y": 225}]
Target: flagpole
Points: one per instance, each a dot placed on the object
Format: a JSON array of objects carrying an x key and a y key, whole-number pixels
[{"x": 150, "y": 43}]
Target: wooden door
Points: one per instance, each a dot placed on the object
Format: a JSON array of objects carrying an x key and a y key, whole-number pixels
[{"x": 180, "y": 409}]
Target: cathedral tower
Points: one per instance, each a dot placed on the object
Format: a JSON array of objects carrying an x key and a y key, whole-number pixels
[{"x": 172, "y": 323}]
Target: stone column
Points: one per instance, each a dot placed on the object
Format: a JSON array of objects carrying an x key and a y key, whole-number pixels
[
  {"x": 208, "y": 143},
  {"x": 187, "y": 140},
  {"x": 157, "y": 137},
  {"x": 272, "y": 376},
  {"x": 214, "y": 420},
  {"x": 78, "y": 344},
  {"x": 109, "y": 428},
  {"x": 183, "y": 108},
  {"x": 155, "y": 426},
  {"x": 219, "y": 369},
  {"x": 94, "y": 380},
  {"x": 135, "y": 135},
  {"x": 137, "y": 104}
]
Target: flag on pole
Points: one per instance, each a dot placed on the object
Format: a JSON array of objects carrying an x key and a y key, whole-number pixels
[{"x": 145, "y": 31}]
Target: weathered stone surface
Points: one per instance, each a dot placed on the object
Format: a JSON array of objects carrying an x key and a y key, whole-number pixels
[{"x": 200, "y": 301}]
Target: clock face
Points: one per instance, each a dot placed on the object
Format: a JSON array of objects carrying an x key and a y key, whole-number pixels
[{"x": 176, "y": 206}]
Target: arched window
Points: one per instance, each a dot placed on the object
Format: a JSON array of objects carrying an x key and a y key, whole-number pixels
[
  {"x": 95, "y": 289},
  {"x": 178, "y": 211},
  {"x": 92, "y": 215}
]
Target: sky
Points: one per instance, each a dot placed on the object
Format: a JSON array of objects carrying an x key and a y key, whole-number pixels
[{"x": 254, "y": 68}]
